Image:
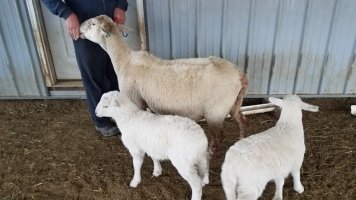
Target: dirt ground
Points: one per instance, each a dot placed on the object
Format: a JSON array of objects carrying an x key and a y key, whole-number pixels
[{"x": 49, "y": 149}]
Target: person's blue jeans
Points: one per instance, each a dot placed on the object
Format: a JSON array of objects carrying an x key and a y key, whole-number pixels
[{"x": 98, "y": 75}]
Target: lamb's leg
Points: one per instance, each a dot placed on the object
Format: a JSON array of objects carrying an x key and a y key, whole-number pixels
[
  {"x": 157, "y": 169},
  {"x": 190, "y": 174},
  {"x": 298, "y": 187},
  {"x": 203, "y": 169},
  {"x": 137, "y": 163},
  {"x": 229, "y": 186},
  {"x": 248, "y": 192},
  {"x": 279, "y": 189}
]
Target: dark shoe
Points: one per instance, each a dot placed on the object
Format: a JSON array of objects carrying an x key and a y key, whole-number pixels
[{"x": 108, "y": 131}]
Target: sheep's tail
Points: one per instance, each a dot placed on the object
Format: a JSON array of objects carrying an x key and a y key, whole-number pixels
[
  {"x": 236, "y": 113},
  {"x": 243, "y": 91}
]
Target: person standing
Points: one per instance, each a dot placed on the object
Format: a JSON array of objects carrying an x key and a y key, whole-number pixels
[{"x": 95, "y": 66}]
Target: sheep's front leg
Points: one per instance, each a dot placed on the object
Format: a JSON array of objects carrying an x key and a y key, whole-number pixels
[
  {"x": 157, "y": 169},
  {"x": 137, "y": 163},
  {"x": 279, "y": 189},
  {"x": 298, "y": 187}
]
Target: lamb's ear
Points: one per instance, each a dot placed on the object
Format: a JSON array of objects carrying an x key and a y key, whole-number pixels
[
  {"x": 276, "y": 101},
  {"x": 310, "y": 107},
  {"x": 115, "y": 102}
]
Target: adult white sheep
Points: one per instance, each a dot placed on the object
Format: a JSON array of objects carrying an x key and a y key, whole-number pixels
[
  {"x": 269, "y": 155},
  {"x": 197, "y": 88},
  {"x": 179, "y": 139}
]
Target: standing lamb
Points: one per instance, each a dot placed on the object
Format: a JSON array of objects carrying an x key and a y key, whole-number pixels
[
  {"x": 197, "y": 88},
  {"x": 269, "y": 155},
  {"x": 179, "y": 139}
]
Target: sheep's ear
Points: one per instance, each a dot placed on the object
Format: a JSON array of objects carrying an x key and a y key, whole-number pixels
[
  {"x": 106, "y": 26},
  {"x": 115, "y": 93},
  {"x": 276, "y": 101},
  {"x": 128, "y": 29},
  {"x": 125, "y": 29},
  {"x": 309, "y": 107},
  {"x": 115, "y": 102}
]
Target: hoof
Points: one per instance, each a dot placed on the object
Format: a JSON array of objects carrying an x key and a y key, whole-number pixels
[
  {"x": 205, "y": 180},
  {"x": 134, "y": 183},
  {"x": 157, "y": 173},
  {"x": 299, "y": 189}
]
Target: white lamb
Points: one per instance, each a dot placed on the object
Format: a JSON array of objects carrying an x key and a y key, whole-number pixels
[
  {"x": 270, "y": 155},
  {"x": 197, "y": 88},
  {"x": 179, "y": 139}
]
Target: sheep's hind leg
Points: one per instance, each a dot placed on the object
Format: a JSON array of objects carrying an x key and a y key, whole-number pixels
[
  {"x": 279, "y": 189},
  {"x": 298, "y": 187},
  {"x": 203, "y": 169},
  {"x": 137, "y": 163},
  {"x": 190, "y": 174},
  {"x": 216, "y": 133},
  {"x": 240, "y": 121},
  {"x": 229, "y": 186},
  {"x": 248, "y": 193},
  {"x": 157, "y": 169}
]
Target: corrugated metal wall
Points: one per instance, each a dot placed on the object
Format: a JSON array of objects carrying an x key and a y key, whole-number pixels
[
  {"x": 284, "y": 46},
  {"x": 20, "y": 71}
]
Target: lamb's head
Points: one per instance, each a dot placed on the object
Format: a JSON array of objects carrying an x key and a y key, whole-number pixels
[
  {"x": 97, "y": 29},
  {"x": 114, "y": 103},
  {"x": 107, "y": 104},
  {"x": 293, "y": 104}
]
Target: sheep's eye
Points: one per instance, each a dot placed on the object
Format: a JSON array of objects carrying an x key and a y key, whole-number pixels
[{"x": 93, "y": 24}]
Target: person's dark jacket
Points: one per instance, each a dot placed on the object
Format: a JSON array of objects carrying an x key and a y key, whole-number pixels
[{"x": 84, "y": 9}]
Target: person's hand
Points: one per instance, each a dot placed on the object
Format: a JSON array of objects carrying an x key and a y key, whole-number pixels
[
  {"x": 73, "y": 26},
  {"x": 119, "y": 16}
]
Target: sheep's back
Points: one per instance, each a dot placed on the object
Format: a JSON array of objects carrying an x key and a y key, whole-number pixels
[
  {"x": 163, "y": 136},
  {"x": 184, "y": 87},
  {"x": 267, "y": 154}
]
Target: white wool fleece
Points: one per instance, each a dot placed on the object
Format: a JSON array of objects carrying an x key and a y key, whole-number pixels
[
  {"x": 179, "y": 139},
  {"x": 268, "y": 156},
  {"x": 197, "y": 88}
]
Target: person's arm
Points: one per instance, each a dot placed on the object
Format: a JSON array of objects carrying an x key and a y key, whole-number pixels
[
  {"x": 57, "y": 7},
  {"x": 119, "y": 13},
  {"x": 122, "y": 4}
]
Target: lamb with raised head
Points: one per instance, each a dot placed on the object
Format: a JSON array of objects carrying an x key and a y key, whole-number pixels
[
  {"x": 270, "y": 155},
  {"x": 179, "y": 139},
  {"x": 197, "y": 88}
]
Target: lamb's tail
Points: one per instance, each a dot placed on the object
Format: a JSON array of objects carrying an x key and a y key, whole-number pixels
[{"x": 236, "y": 113}]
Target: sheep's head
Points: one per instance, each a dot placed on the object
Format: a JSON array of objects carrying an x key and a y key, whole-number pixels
[
  {"x": 293, "y": 102},
  {"x": 97, "y": 29},
  {"x": 113, "y": 103},
  {"x": 105, "y": 107}
]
